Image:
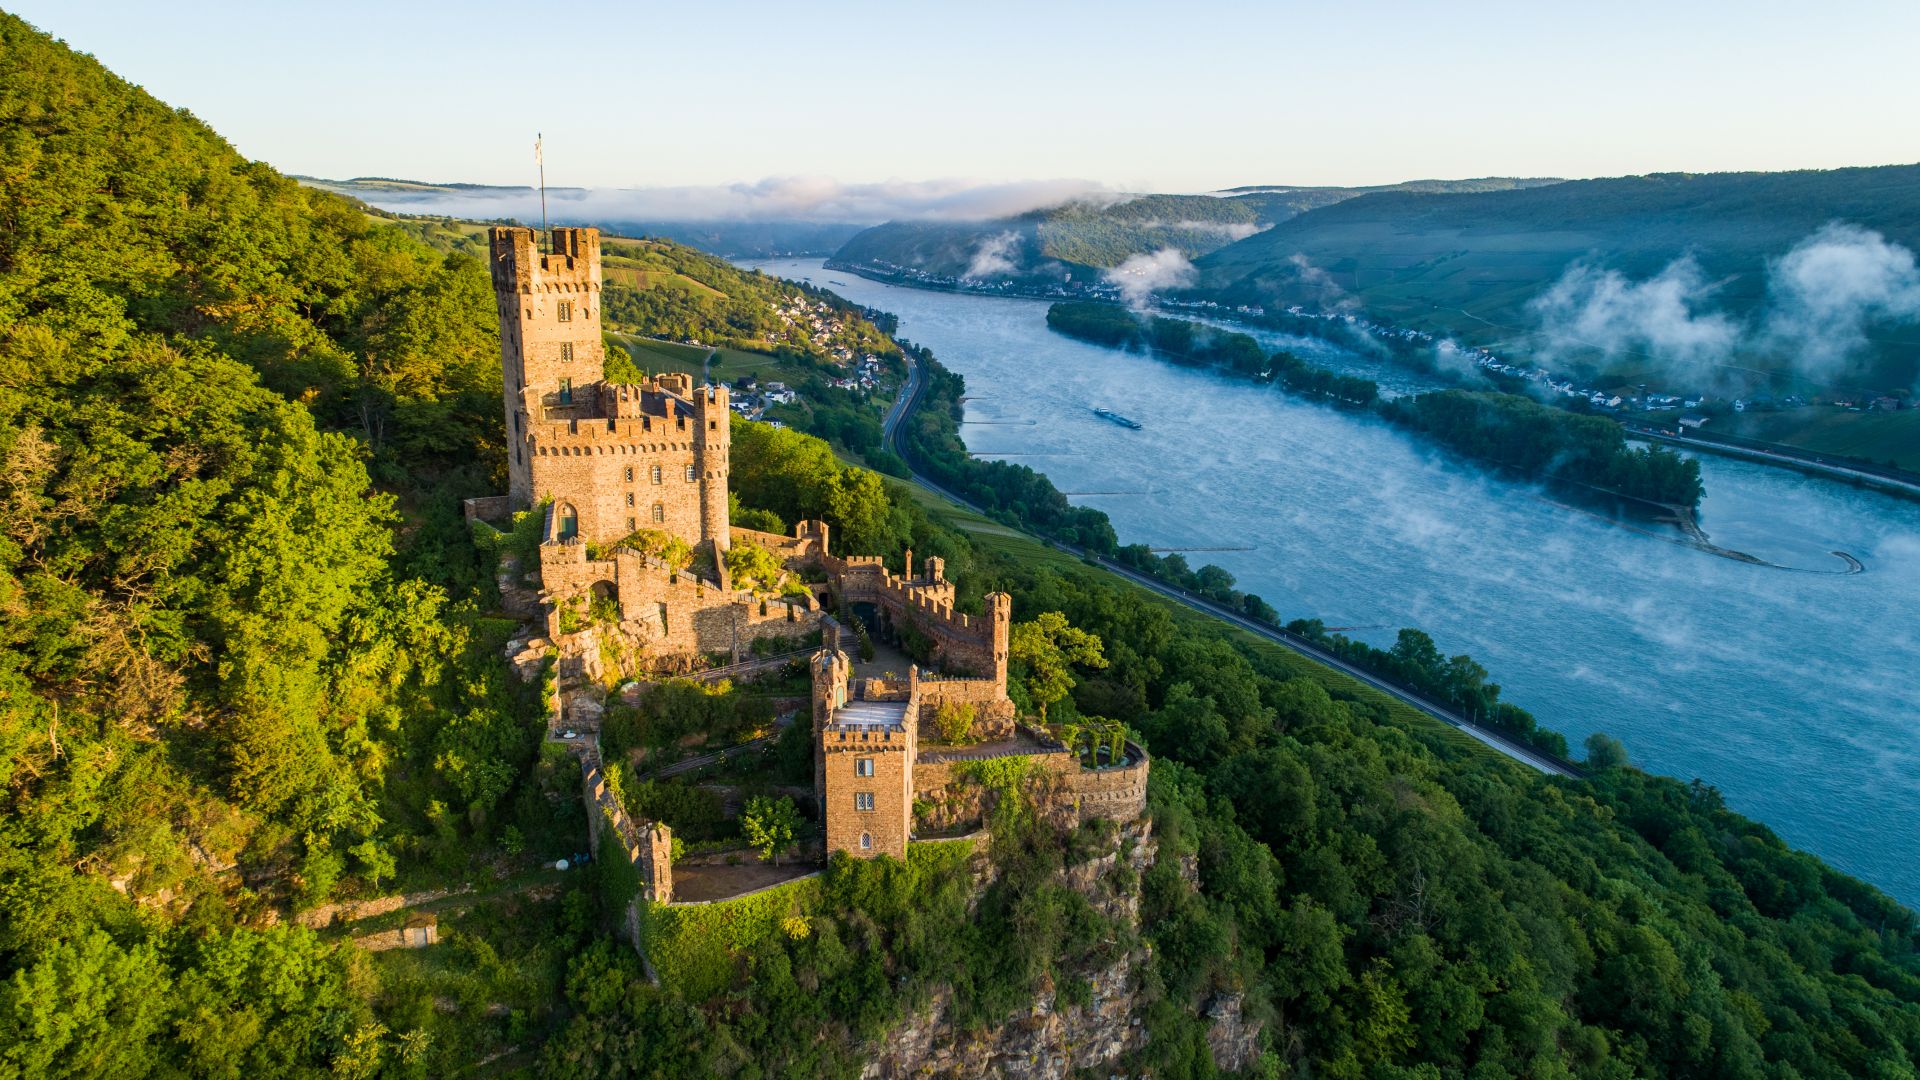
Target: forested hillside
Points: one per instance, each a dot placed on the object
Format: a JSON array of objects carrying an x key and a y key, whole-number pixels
[
  {"x": 237, "y": 668},
  {"x": 483, "y": 202},
  {"x": 1083, "y": 237},
  {"x": 245, "y": 668},
  {"x": 1468, "y": 265}
]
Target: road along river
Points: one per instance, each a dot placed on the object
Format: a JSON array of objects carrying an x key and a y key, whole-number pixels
[{"x": 1796, "y": 694}]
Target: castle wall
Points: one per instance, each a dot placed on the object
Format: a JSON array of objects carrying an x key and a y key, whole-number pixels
[
  {"x": 648, "y": 845},
  {"x": 624, "y": 473},
  {"x": 993, "y": 711},
  {"x": 807, "y": 546},
  {"x": 684, "y": 614},
  {"x": 1114, "y": 794},
  {"x": 973, "y": 645}
]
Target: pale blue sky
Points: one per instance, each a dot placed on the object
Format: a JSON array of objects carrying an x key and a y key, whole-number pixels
[{"x": 1169, "y": 97}]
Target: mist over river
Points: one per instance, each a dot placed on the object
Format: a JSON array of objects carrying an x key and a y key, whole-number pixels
[{"x": 1797, "y": 694}]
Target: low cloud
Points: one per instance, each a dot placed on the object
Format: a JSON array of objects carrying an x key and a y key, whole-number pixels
[
  {"x": 1231, "y": 230},
  {"x": 1659, "y": 318},
  {"x": 1823, "y": 297},
  {"x": 1318, "y": 286},
  {"x": 994, "y": 256},
  {"x": 1140, "y": 276},
  {"x": 1826, "y": 292},
  {"x": 785, "y": 198}
]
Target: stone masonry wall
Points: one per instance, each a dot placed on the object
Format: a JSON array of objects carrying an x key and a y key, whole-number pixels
[
  {"x": 644, "y": 472},
  {"x": 993, "y": 711},
  {"x": 887, "y": 826}
]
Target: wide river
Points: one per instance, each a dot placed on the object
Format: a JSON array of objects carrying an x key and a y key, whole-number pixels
[{"x": 1797, "y": 694}]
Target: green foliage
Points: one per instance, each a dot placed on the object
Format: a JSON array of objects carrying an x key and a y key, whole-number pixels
[
  {"x": 1047, "y": 648},
  {"x": 954, "y": 722},
  {"x": 769, "y": 824},
  {"x": 694, "y": 946},
  {"x": 249, "y": 1002},
  {"x": 662, "y": 545},
  {"x": 796, "y": 477},
  {"x": 1310, "y": 381},
  {"x": 1546, "y": 442},
  {"x": 750, "y": 566},
  {"x": 681, "y": 294},
  {"x": 1605, "y": 752},
  {"x": 614, "y": 871},
  {"x": 1179, "y": 340},
  {"x": 673, "y": 714},
  {"x": 751, "y": 517}
]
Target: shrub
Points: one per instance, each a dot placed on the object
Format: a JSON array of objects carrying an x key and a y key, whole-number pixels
[{"x": 954, "y": 722}]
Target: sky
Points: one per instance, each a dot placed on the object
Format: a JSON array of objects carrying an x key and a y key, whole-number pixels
[{"x": 938, "y": 97}]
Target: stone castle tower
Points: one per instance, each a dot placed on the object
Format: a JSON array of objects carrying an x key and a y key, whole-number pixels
[{"x": 613, "y": 458}]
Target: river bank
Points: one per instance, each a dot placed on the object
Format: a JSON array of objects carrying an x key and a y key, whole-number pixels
[{"x": 1791, "y": 692}]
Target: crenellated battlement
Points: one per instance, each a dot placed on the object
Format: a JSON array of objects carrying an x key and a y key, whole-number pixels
[{"x": 571, "y": 263}]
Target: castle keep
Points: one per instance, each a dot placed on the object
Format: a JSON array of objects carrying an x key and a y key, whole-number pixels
[
  {"x": 612, "y": 458},
  {"x": 627, "y": 471}
]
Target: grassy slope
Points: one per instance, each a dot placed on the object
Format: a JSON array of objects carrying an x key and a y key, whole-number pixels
[{"x": 1875, "y": 436}]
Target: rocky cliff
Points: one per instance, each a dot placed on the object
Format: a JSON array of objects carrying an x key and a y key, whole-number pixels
[{"x": 1092, "y": 1024}]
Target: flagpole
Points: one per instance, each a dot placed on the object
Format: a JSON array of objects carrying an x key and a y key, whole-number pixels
[{"x": 540, "y": 159}]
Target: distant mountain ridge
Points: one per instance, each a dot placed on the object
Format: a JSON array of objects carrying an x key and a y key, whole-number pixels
[
  {"x": 734, "y": 239},
  {"x": 1078, "y": 239}
]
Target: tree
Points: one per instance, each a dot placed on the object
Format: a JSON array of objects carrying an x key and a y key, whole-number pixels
[
  {"x": 750, "y": 566},
  {"x": 1605, "y": 752},
  {"x": 1049, "y": 647},
  {"x": 954, "y": 721},
  {"x": 769, "y": 825}
]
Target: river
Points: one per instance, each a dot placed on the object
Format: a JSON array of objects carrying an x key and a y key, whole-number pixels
[{"x": 1797, "y": 694}]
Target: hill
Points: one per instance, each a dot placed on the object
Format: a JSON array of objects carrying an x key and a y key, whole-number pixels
[
  {"x": 1470, "y": 265},
  {"x": 1080, "y": 238},
  {"x": 247, "y": 671},
  {"x": 732, "y": 239}
]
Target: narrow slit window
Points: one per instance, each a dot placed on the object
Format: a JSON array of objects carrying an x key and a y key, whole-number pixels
[
  {"x": 693, "y": 474},
  {"x": 563, "y": 312},
  {"x": 659, "y": 512},
  {"x": 656, "y": 474},
  {"x": 566, "y": 352}
]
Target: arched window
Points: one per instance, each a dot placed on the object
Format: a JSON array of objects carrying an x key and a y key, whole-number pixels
[
  {"x": 866, "y": 841},
  {"x": 659, "y": 512},
  {"x": 569, "y": 522}
]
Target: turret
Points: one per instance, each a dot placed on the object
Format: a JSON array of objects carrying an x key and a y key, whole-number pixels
[
  {"x": 713, "y": 449},
  {"x": 999, "y": 615},
  {"x": 831, "y": 670}
]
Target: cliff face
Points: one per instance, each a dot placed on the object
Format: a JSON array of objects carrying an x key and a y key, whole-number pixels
[{"x": 1055, "y": 1037}]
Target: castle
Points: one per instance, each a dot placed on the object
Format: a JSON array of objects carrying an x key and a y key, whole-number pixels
[{"x": 629, "y": 474}]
